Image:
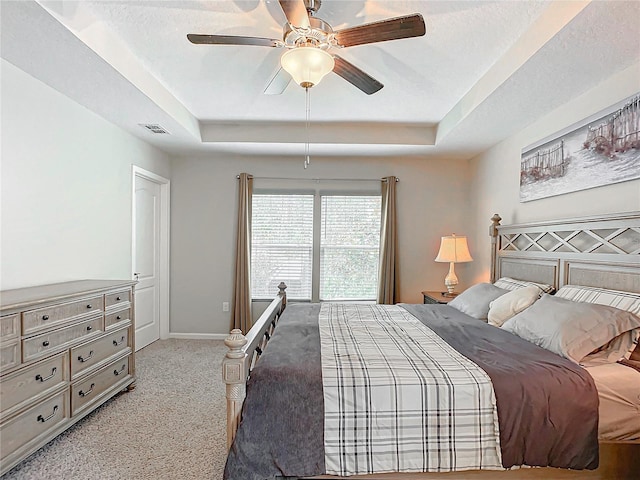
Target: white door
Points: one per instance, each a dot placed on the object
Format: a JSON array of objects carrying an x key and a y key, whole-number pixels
[{"x": 148, "y": 231}]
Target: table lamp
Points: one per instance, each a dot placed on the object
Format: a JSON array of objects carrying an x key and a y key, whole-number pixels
[{"x": 453, "y": 249}]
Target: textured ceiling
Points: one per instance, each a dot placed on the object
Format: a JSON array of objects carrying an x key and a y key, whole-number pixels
[
  {"x": 450, "y": 92},
  {"x": 424, "y": 77}
]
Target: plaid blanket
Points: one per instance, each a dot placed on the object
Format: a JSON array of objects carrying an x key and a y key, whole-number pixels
[{"x": 398, "y": 398}]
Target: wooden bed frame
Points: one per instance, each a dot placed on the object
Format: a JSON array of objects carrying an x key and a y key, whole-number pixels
[{"x": 601, "y": 251}]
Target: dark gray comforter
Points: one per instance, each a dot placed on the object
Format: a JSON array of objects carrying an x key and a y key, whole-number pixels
[{"x": 547, "y": 405}]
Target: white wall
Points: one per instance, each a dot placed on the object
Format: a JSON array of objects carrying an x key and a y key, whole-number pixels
[
  {"x": 495, "y": 174},
  {"x": 432, "y": 201},
  {"x": 66, "y": 199},
  {"x": 66, "y": 187}
]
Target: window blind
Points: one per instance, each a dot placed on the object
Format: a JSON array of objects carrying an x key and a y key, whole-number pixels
[
  {"x": 349, "y": 247},
  {"x": 281, "y": 245}
]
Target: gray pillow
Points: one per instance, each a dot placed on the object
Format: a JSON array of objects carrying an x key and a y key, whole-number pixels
[
  {"x": 570, "y": 329},
  {"x": 474, "y": 301}
]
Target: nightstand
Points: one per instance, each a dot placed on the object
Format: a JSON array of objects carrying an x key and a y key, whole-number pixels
[{"x": 435, "y": 297}]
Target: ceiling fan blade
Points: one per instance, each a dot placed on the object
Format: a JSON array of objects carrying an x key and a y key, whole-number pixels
[
  {"x": 296, "y": 12},
  {"x": 355, "y": 76},
  {"x": 232, "y": 40},
  {"x": 391, "y": 29},
  {"x": 278, "y": 83}
]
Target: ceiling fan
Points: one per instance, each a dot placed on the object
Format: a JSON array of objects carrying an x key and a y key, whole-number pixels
[{"x": 308, "y": 39}]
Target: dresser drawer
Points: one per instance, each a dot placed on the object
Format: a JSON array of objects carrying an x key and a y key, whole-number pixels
[
  {"x": 35, "y": 321},
  {"x": 117, "y": 298},
  {"x": 9, "y": 327},
  {"x": 113, "y": 320},
  {"x": 89, "y": 354},
  {"x": 33, "y": 382},
  {"x": 9, "y": 355},
  {"x": 89, "y": 390},
  {"x": 48, "y": 343},
  {"x": 35, "y": 422}
]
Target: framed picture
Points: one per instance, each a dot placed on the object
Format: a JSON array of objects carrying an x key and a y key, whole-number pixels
[{"x": 591, "y": 153}]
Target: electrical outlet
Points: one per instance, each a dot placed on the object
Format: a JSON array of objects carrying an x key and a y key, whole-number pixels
[{"x": 225, "y": 306}]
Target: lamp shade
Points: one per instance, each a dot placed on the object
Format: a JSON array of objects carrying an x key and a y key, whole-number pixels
[
  {"x": 454, "y": 249},
  {"x": 307, "y": 65}
]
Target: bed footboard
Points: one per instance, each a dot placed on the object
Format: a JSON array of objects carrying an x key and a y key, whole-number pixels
[{"x": 244, "y": 352}]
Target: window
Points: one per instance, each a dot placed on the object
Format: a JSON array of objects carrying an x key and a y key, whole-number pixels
[
  {"x": 281, "y": 245},
  {"x": 349, "y": 247},
  {"x": 330, "y": 255}
]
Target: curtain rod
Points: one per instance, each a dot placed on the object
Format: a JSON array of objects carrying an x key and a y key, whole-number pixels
[{"x": 323, "y": 179}]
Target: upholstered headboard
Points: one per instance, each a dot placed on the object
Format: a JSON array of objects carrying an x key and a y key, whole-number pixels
[{"x": 599, "y": 251}]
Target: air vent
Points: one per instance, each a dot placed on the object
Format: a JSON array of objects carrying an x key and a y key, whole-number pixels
[{"x": 154, "y": 127}]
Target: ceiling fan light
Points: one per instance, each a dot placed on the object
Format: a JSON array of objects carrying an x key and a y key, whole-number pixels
[{"x": 307, "y": 65}]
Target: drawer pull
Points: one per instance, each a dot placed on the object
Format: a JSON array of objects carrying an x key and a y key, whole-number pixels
[
  {"x": 45, "y": 317},
  {"x": 44, "y": 379},
  {"x": 89, "y": 328},
  {"x": 118, "y": 299},
  {"x": 118, "y": 372},
  {"x": 88, "y": 392},
  {"x": 82, "y": 359},
  {"x": 46, "y": 419},
  {"x": 45, "y": 343},
  {"x": 116, "y": 343},
  {"x": 118, "y": 317},
  {"x": 89, "y": 306}
]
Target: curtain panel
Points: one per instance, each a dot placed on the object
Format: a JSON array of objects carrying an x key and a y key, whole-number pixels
[
  {"x": 241, "y": 312},
  {"x": 388, "y": 271}
]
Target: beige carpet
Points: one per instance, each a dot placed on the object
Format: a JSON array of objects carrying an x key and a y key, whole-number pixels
[{"x": 172, "y": 426}]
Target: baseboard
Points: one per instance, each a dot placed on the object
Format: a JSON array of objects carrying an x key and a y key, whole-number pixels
[{"x": 199, "y": 336}]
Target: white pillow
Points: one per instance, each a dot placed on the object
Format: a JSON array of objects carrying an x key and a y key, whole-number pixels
[
  {"x": 628, "y": 301},
  {"x": 509, "y": 283},
  {"x": 512, "y": 303}
]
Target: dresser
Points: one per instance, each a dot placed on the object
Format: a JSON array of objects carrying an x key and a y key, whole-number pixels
[{"x": 66, "y": 348}]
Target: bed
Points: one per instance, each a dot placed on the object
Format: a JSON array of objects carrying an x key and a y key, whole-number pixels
[{"x": 275, "y": 422}]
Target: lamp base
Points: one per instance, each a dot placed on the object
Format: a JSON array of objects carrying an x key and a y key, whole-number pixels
[{"x": 450, "y": 281}]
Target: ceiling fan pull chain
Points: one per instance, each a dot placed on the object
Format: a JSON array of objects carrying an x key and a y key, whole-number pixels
[{"x": 307, "y": 158}]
